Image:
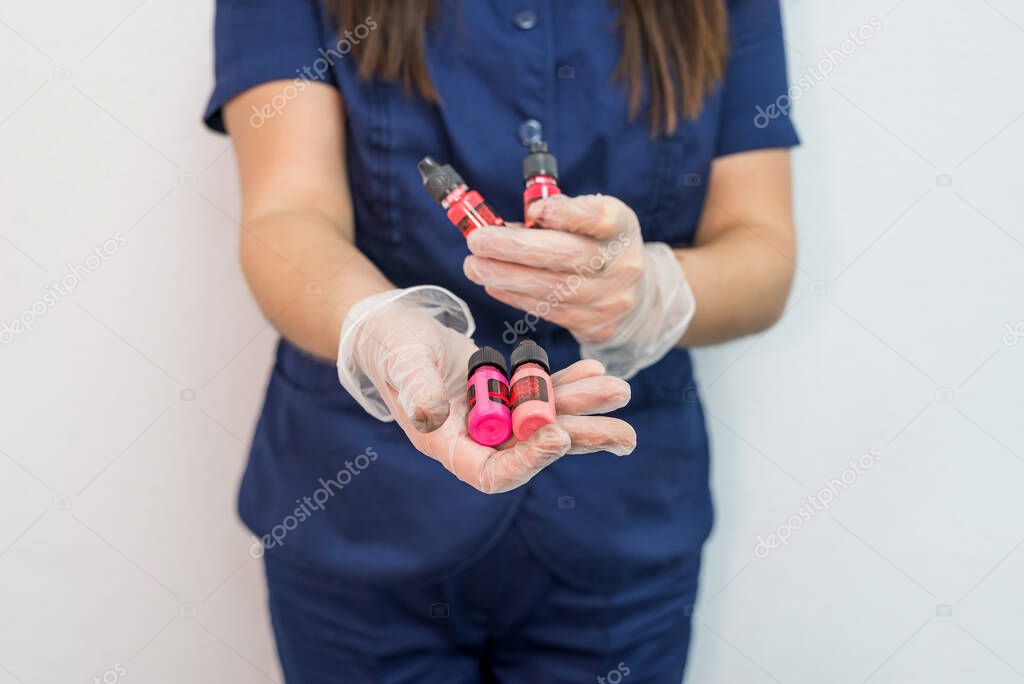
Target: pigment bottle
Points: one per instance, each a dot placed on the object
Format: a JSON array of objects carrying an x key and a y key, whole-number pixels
[
  {"x": 540, "y": 174},
  {"x": 466, "y": 209},
  {"x": 488, "y": 416},
  {"x": 533, "y": 399}
]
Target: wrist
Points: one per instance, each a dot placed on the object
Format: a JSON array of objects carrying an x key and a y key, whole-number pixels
[{"x": 663, "y": 306}]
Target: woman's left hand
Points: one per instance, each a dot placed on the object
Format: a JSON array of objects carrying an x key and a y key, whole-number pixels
[
  {"x": 586, "y": 268},
  {"x": 584, "y": 258}
]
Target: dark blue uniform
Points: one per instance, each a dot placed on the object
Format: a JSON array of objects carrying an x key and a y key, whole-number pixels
[{"x": 382, "y": 566}]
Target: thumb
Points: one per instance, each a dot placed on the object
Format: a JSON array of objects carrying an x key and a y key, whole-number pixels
[
  {"x": 415, "y": 373},
  {"x": 601, "y": 217}
]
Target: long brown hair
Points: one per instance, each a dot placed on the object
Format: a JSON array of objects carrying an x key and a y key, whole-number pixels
[{"x": 682, "y": 45}]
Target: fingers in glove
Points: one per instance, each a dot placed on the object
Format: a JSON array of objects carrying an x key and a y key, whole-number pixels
[
  {"x": 506, "y": 276},
  {"x": 493, "y": 472},
  {"x": 563, "y": 314},
  {"x": 555, "y": 289},
  {"x": 585, "y": 368},
  {"x": 599, "y": 433},
  {"x": 598, "y": 216},
  {"x": 551, "y": 250},
  {"x": 590, "y": 396}
]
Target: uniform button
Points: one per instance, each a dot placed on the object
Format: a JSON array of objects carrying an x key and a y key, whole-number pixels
[
  {"x": 526, "y": 20},
  {"x": 530, "y": 131}
]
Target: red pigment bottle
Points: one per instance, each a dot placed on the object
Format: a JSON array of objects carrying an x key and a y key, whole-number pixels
[
  {"x": 488, "y": 416},
  {"x": 533, "y": 398},
  {"x": 467, "y": 210},
  {"x": 540, "y": 173}
]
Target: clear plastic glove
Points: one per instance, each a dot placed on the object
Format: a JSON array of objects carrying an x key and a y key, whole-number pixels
[
  {"x": 586, "y": 268},
  {"x": 403, "y": 357}
]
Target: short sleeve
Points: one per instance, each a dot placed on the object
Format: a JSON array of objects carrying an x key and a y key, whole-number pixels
[
  {"x": 755, "y": 83},
  {"x": 256, "y": 41}
]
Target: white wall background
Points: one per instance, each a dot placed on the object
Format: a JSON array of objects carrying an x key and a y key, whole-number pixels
[{"x": 125, "y": 411}]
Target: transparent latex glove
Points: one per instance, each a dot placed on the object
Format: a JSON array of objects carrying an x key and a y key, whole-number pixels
[
  {"x": 586, "y": 268},
  {"x": 403, "y": 356}
]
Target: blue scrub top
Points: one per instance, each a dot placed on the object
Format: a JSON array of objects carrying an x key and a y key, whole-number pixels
[{"x": 505, "y": 70}]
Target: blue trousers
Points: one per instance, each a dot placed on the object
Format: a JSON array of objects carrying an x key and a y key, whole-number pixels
[{"x": 503, "y": 619}]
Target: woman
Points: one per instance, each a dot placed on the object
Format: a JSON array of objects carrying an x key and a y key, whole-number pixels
[{"x": 396, "y": 549}]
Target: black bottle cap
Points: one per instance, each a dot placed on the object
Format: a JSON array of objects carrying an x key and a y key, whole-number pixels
[
  {"x": 438, "y": 180},
  {"x": 487, "y": 356},
  {"x": 539, "y": 162},
  {"x": 529, "y": 351}
]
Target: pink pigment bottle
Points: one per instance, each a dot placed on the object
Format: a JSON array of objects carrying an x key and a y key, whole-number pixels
[
  {"x": 488, "y": 414},
  {"x": 533, "y": 398}
]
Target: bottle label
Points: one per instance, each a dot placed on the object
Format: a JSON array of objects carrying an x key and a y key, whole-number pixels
[
  {"x": 497, "y": 392},
  {"x": 477, "y": 216},
  {"x": 540, "y": 187},
  {"x": 530, "y": 388}
]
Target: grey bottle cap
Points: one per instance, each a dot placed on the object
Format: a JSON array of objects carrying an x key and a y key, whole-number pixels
[
  {"x": 529, "y": 351},
  {"x": 438, "y": 180},
  {"x": 487, "y": 356},
  {"x": 539, "y": 162}
]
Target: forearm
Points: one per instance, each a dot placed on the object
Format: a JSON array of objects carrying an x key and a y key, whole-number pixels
[
  {"x": 305, "y": 275},
  {"x": 740, "y": 281}
]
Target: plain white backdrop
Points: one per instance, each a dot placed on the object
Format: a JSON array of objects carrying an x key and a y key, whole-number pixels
[{"x": 126, "y": 410}]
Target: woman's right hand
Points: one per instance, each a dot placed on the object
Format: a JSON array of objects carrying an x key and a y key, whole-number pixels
[{"x": 404, "y": 354}]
